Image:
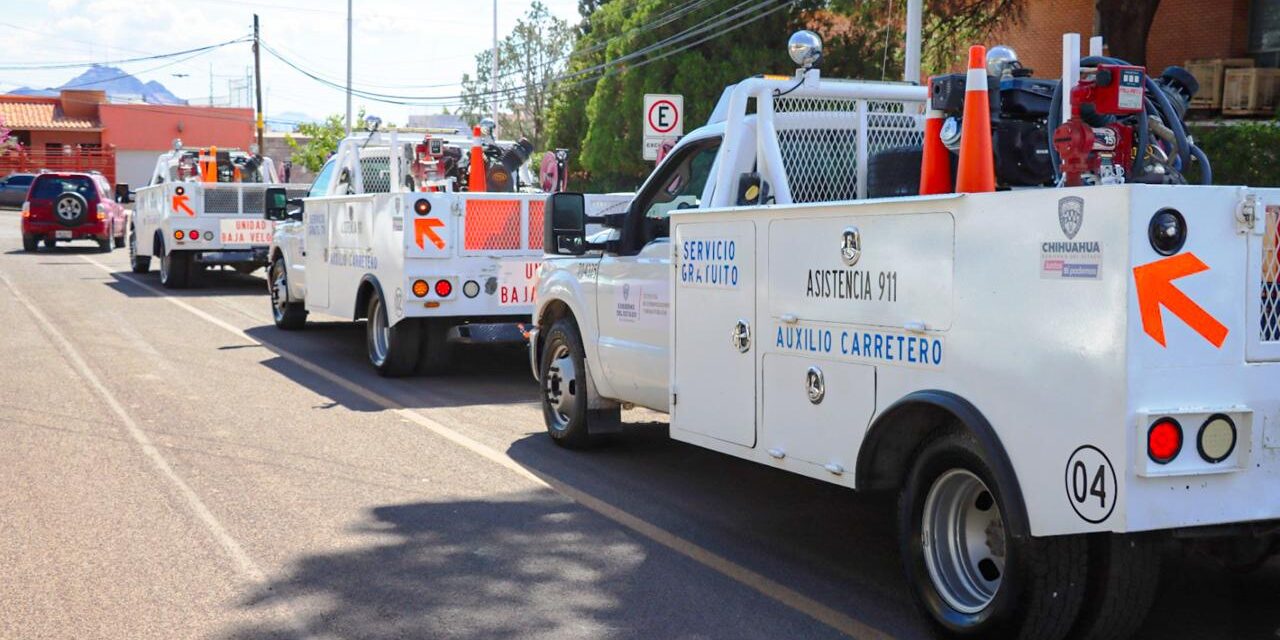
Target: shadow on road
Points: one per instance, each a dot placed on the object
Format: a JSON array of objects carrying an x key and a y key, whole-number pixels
[
  {"x": 523, "y": 565},
  {"x": 207, "y": 284}
]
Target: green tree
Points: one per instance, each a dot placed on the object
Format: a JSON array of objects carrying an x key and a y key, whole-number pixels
[
  {"x": 530, "y": 61},
  {"x": 322, "y": 140}
]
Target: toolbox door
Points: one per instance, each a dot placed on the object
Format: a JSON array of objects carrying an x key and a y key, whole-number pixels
[
  {"x": 715, "y": 336},
  {"x": 1263, "y": 334}
]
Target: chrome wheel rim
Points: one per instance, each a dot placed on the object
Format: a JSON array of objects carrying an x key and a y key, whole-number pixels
[
  {"x": 963, "y": 538},
  {"x": 278, "y": 285},
  {"x": 559, "y": 387},
  {"x": 164, "y": 267},
  {"x": 379, "y": 333}
]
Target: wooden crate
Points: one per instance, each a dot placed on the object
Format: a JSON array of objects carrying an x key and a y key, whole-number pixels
[
  {"x": 1250, "y": 92},
  {"x": 1210, "y": 75}
]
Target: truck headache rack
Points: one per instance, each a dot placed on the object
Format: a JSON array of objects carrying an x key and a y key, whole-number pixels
[
  {"x": 514, "y": 222},
  {"x": 825, "y": 142},
  {"x": 816, "y": 136},
  {"x": 240, "y": 198}
]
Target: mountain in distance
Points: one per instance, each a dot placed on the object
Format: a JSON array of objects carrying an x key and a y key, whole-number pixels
[{"x": 117, "y": 83}]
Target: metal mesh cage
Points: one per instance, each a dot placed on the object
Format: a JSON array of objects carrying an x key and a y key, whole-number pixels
[
  {"x": 376, "y": 174},
  {"x": 821, "y": 150},
  {"x": 492, "y": 225},
  {"x": 535, "y": 224},
  {"x": 221, "y": 200},
  {"x": 1271, "y": 277},
  {"x": 820, "y": 159}
]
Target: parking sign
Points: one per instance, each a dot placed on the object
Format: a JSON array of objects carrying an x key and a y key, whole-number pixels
[{"x": 663, "y": 121}]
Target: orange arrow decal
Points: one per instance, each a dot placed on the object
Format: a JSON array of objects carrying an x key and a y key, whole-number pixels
[
  {"x": 425, "y": 227},
  {"x": 1155, "y": 289},
  {"x": 180, "y": 202}
]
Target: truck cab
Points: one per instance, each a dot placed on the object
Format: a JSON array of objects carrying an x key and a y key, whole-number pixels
[
  {"x": 202, "y": 208},
  {"x": 1053, "y": 380}
]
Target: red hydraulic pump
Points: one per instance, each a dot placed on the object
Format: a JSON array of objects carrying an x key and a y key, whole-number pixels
[{"x": 1101, "y": 154}]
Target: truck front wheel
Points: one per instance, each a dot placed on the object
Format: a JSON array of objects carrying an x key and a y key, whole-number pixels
[
  {"x": 965, "y": 570},
  {"x": 563, "y": 375},
  {"x": 393, "y": 349},
  {"x": 289, "y": 316}
]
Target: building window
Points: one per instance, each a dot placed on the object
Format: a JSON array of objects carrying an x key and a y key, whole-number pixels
[{"x": 1264, "y": 32}]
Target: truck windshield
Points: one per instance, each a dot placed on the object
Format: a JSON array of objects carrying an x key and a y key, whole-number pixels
[{"x": 49, "y": 187}]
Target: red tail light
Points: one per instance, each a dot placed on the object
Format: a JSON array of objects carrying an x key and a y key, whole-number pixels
[
  {"x": 444, "y": 288},
  {"x": 1164, "y": 440}
]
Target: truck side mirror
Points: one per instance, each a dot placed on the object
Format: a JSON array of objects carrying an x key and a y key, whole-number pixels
[
  {"x": 566, "y": 224},
  {"x": 123, "y": 194},
  {"x": 278, "y": 203}
]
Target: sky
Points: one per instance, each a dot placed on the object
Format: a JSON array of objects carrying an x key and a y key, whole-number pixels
[{"x": 403, "y": 47}]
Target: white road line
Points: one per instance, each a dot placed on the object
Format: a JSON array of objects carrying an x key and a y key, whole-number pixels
[
  {"x": 756, "y": 581},
  {"x": 244, "y": 564}
]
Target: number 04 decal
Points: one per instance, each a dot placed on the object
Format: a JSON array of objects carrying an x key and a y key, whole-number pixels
[{"x": 1092, "y": 489}]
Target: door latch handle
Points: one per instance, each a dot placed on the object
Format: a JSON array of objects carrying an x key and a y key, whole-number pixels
[{"x": 740, "y": 338}]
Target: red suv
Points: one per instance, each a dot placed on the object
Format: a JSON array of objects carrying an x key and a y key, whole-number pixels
[{"x": 72, "y": 206}]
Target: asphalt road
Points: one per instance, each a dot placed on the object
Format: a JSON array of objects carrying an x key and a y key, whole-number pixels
[{"x": 172, "y": 466}]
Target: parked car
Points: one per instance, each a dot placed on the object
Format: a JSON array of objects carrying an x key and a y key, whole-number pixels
[
  {"x": 13, "y": 189},
  {"x": 72, "y": 206}
]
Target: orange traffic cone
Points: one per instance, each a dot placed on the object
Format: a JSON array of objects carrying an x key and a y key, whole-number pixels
[
  {"x": 476, "y": 179},
  {"x": 935, "y": 164},
  {"x": 977, "y": 170}
]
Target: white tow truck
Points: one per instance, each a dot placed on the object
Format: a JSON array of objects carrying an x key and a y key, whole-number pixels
[
  {"x": 384, "y": 234},
  {"x": 202, "y": 207},
  {"x": 1053, "y": 380}
]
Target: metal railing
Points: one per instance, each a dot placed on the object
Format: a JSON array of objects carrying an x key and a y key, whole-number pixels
[{"x": 71, "y": 159}]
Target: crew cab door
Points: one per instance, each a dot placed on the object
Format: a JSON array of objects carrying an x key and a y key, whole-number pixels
[{"x": 633, "y": 293}]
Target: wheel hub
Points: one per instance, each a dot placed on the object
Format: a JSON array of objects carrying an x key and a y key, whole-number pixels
[
  {"x": 962, "y": 534},
  {"x": 560, "y": 387}
]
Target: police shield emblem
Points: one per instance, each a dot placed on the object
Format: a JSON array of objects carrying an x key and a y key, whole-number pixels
[{"x": 1071, "y": 215}]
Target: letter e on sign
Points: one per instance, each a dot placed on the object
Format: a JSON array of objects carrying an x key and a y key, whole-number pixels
[{"x": 663, "y": 120}]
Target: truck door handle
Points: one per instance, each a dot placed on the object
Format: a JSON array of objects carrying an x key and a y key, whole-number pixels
[{"x": 740, "y": 338}]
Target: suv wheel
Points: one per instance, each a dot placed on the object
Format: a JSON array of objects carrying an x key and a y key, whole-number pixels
[
  {"x": 175, "y": 268},
  {"x": 393, "y": 349},
  {"x": 71, "y": 208},
  {"x": 563, "y": 376},
  {"x": 104, "y": 244},
  {"x": 29, "y": 242},
  {"x": 289, "y": 316},
  {"x": 139, "y": 264}
]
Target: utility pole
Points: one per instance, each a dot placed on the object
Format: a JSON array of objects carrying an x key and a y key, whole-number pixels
[
  {"x": 493, "y": 68},
  {"x": 349, "y": 67},
  {"x": 257, "y": 82}
]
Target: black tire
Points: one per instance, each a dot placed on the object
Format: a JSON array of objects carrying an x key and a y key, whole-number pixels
[
  {"x": 30, "y": 242},
  {"x": 1037, "y": 594},
  {"x": 70, "y": 209},
  {"x": 400, "y": 343},
  {"x": 1124, "y": 573},
  {"x": 175, "y": 268},
  {"x": 137, "y": 263},
  {"x": 118, "y": 241},
  {"x": 564, "y": 393},
  {"x": 895, "y": 172},
  {"x": 289, "y": 316},
  {"x": 104, "y": 244},
  {"x": 436, "y": 352},
  {"x": 50, "y": 242}
]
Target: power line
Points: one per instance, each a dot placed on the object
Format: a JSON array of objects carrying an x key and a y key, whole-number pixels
[{"x": 161, "y": 56}]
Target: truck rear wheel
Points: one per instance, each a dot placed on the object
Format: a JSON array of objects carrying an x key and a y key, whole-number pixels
[
  {"x": 137, "y": 263},
  {"x": 966, "y": 572},
  {"x": 562, "y": 373},
  {"x": 393, "y": 349},
  {"x": 1124, "y": 572},
  {"x": 175, "y": 268},
  {"x": 289, "y": 316}
]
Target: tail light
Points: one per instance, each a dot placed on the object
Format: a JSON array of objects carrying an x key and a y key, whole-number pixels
[
  {"x": 194, "y": 235},
  {"x": 26, "y": 209},
  {"x": 102, "y": 211},
  {"x": 444, "y": 288},
  {"x": 1164, "y": 440},
  {"x": 420, "y": 288},
  {"x": 1217, "y": 438},
  {"x": 178, "y": 234}
]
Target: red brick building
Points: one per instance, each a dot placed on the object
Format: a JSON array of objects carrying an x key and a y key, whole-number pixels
[
  {"x": 81, "y": 129},
  {"x": 1182, "y": 30}
]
